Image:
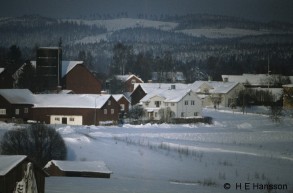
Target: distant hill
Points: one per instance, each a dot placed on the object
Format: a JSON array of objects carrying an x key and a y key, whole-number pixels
[{"x": 205, "y": 42}]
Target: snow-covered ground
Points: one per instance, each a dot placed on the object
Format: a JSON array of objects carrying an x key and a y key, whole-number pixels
[{"x": 236, "y": 149}]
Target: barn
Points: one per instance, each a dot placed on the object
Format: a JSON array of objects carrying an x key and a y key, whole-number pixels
[
  {"x": 75, "y": 109},
  {"x": 12, "y": 170}
]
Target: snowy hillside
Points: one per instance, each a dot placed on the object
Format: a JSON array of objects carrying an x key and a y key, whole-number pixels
[
  {"x": 224, "y": 32},
  {"x": 123, "y": 23}
]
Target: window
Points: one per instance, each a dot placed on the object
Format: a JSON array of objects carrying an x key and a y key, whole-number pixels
[
  {"x": 57, "y": 119},
  {"x": 133, "y": 81},
  {"x": 157, "y": 103},
  {"x": 172, "y": 104},
  {"x": 182, "y": 114},
  {"x": 17, "y": 111},
  {"x": 112, "y": 111},
  {"x": 71, "y": 119},
  {"x": 109, "y": 102},
  {"x": 2, "y": 111},
  {"x": 192, "y": 102},
  {"x": 122, "y": 107},
  {"x": 105, "y": 111},
  {"x": 186, "y": 102},
  {"x": 156, "y": 114},
  {"x": 25, "y": 110},
  {"x": 195, "y": 114}
]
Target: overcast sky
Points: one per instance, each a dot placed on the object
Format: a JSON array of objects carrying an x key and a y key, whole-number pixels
[{"x": 261, "y": 10}]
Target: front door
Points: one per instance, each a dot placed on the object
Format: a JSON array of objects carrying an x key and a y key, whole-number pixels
[{"x": 64, "y": 120}]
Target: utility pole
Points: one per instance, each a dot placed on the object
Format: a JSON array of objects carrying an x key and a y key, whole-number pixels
[{"x": 268, "y": 72}]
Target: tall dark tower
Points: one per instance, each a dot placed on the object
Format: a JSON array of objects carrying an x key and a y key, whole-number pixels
[{"x": 49, "y": 68}]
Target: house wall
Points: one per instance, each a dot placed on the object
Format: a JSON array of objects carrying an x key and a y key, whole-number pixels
[
  {"x": 109, "y": 111},
  {"x": 81, "y": 81},
  {"x": 189, "y": 109},
  {"x": 8, "y": 182},
  {"x": 63, "y": 119},
  {"x": 123, "y": 101},
  {"x": 152, "y": 109},
  {"x": 43, "y": 115},
  {"x": 21, "y": 112},
  {"x": 231, "y": 95},
  {"x": 129, "y": 84}
]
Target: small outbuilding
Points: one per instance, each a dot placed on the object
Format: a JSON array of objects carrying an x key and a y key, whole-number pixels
[
  {"x": 15, "y": 168},
  {"x": 93, "y": 169}
]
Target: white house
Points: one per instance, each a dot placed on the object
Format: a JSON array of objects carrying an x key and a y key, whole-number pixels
[
  {"x": 215, "y": 92},
  {"x": 177, "y": 102}
]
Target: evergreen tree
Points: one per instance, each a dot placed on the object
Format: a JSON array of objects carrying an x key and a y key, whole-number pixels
[{"x": 26, "y": 78}]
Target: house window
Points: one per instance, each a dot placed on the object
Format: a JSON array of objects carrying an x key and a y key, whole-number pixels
[
  {"x": 133, "y": 81},
  {"x": 192, "y": 102},
  {"x": 25, "y": 110},
  {"x": 122, "y": 107},
  {"x": 112, "y": 111},
  {"x": 172, "y": 104},
  {"x": 2, "y": 111},
  {"x": 105, "y": 111},
  {"x": 71, "y": 119},
  {"x": 57, "y": 119},
  {"x": 157, "y": 103},
  {"x": 109, "y": 102},
  {"x": 195, "y": 114},
  {"x": 17, "y": 111},
  {"x": 186, "y": 102},
  {"x": 182, "y": 114},
  {"x": 156, "y": 114}
]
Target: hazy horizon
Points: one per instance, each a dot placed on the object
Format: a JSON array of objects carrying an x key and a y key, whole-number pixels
[{"x": 258, "y": 10}]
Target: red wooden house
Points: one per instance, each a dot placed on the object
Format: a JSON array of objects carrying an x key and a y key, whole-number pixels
[{"x": 15, "y": 104}]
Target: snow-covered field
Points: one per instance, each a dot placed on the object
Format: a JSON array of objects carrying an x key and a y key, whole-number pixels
[{"x": 236, "y": 149}]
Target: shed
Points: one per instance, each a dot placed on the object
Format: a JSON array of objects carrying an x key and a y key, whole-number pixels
[
  {"x": 93, "y": 169},
  {"x": 12, "y": 169}
]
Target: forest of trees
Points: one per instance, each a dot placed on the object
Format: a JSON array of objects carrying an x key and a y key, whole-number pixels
[{"x": 145, "y": 50}]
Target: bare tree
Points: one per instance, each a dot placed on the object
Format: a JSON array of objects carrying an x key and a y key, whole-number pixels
[
  {"x": 166, "y": 114},
  {"x": 40, "y": 142}
]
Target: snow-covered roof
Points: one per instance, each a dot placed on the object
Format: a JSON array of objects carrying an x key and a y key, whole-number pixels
[
  {"x": 126, "y": 77},
  {"x": 254, "y": 79},
  {"x": 80, "y": 166},
  {"x": 168, "y": 95},
  {"x": 67, "y": 66},
  {"x": 8, "y": 162},
  {"x": 149, "y": 87},
  {"x": 70, "y": 100},
  {"x": 288, "y": 85},
  {"x": 18, "y": 96},
  {"x": 214, "y": 86},
  {"x": 117, "y": 97}
]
